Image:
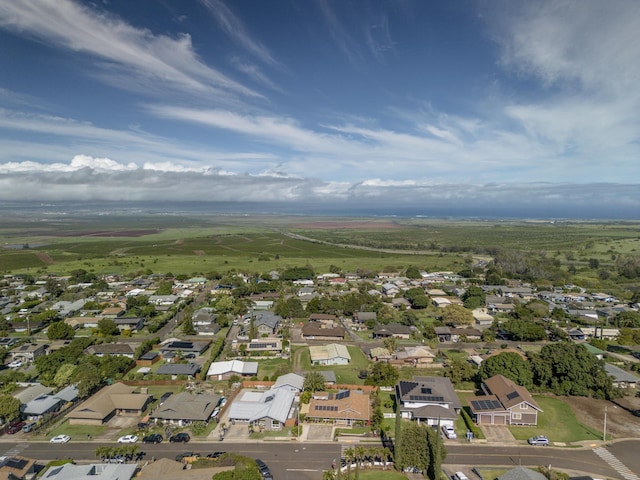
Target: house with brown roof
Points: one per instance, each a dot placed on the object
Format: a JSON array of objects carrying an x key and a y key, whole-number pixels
[
  {"x": 346, "y": 407},
  {"x": 16, "y": 467},
  {"x": 418, "y": 356},
  {"x": 324, "y": 319},
  {"x": 504, "y": 403},
  {"x": 111, "y": 350},
  {"x": 116, "y": 399},
  {"x": 312, "y": 330}
]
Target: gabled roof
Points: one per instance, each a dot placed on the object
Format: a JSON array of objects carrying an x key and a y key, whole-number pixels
[
  {"x": 178, "y": 369},
  {"x": 292, "y": 379},
  {"x": 328, "y": 352},
  {"x": 521, "y": 473},
  {"x": 233, "y": 366},
  {"x": 509, "y": 393},
  {"x": 94, "y": 471},
  {"x": 106, "y": 400},
  {"x": 269, "y": 319},
  {"x": 253, "y": 406},
  {"x": 110, "y": 349},
  {"x": 187, "y": 406},
  {"x": 349, "y": 404},
  {"x": 392, "y": 329},
  {"x": 312, "y": 329},
  {"x": 428, "y": 390}
]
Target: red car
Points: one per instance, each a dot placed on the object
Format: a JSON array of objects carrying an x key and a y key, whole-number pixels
[{"x": 15, "y": 427}]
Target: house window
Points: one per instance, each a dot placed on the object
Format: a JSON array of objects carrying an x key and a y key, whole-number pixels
[
  {"x": 524, "y": 406},
  {"x": 516, "y": 416}
]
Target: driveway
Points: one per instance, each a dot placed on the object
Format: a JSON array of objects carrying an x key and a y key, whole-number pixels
[
  {"x": 318, "y": 433},
  {"x": 497, "y": 434}
]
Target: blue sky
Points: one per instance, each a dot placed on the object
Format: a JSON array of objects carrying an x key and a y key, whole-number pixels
[{"x": 458, "y": 103}]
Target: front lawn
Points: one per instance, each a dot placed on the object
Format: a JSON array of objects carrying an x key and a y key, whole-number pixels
[
  {"x": 557, "y": 422},
  {"x": 76, "y": 432}
]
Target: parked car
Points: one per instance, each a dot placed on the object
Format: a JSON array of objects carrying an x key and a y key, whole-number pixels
[
  {"x": 539, "y": 440},
  {"x": 264, "y": 470},
  {"x": 222, "y": 402},
  {"x": 459, "y": 476},
  {"x": 215, "y": 454},
  {"x": 27, "y": 427},
  {"x": 15, "y": 364},
  {"x": 153, "y": 438},
  {"x": 449, "y": 431},
  {"x": 128, "y": 439},
  {"x": 15, "y": 427},
  {"x": 60, "y": 439},
  {"x": 181, "y": 437},
  {"x": 215, "y": 412}
]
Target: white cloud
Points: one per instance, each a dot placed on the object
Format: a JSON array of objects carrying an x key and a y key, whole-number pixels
[
  {"x": 131, "y": 54},
  {"x": 236, "y": 30}
]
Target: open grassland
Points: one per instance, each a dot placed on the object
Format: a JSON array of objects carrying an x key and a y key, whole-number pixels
[{"x": 203, "y": 244}]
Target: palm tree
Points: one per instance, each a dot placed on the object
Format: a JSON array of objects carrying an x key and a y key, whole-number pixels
[
  {"x": 360, "y": 454},
  {"x": 349, "y": 456}
]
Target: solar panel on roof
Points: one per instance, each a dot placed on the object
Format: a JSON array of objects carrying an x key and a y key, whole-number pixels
[
  {"x": 512, "y": 395},
  {"x": 181, "y": 345},
  {"x": 343, "y": 394},
  {"x": 425, "y": 390},
  {"x": 485, "y": 404}
]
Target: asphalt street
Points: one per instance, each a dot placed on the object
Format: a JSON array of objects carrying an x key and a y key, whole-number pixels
[{"x": 306, "y": 461}]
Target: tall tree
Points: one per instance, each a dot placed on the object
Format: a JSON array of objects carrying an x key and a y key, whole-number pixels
[
  {"x": 60, "y": 331},
  {"x": 414, "y": 451},
  {"x": 313, "y": 382},
  {"x": 509, "y": 364},
  {"x": 457, "y": 315},
  {"x": 9, "y": 408}
]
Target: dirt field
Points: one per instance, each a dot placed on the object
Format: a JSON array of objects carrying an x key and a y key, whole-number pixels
[
  {"x": 45, "y": 258},
  {"x": 620, "y": 423},
  {"x": 112, "y": 233}
]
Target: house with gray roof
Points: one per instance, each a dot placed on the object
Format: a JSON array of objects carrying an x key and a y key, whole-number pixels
[
  {"x": 521, "y": 473},
  {"x": 93, "y": 471},
  {"x": 111, "y": 350},
  {"x": 190, "y": 369},
  {"x": 45, "y": 404},
  {"x": 291, "y": 381},
  {"x": 266, "y": 322},
  {"x": 621, "y": 378},
  {"x": 265, "y": 410},
  {"x": 185, "y": 408},
  {"x": 224, "y": 370},
  {"x": 431, "y": 400}
]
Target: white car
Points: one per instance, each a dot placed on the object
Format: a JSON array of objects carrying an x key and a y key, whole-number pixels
[
  {"x": 60, "y": 439},
  {"x": 128, "y": 439},
  {"x": 15, "y": 364},
  {"x": 459, "y": 476},
  {"x": 449, "y": 431}
]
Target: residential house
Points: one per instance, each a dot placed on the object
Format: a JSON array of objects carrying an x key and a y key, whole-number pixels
[
  {"x": 347, "y": 407},
  {"x": 482, "y": 318},
  {"x": 621, "y": 378},
  {"x": 291, "y": 381},
  {"x": 311, "y": 330},
  {"x": 203, "y": 317},
  {"x": 441, "y": 302},
  {"x": 163, "y": 300},
  {"x": 443, "y": 334},
  {"x": 363, "y": 317},
  {"x": 185, "y": 407},
  {"x": 332, "y": 354},
  {"x": 264, "y": 410},
  {"x": 329, "y": 377},
  {"x": 28, "y": 352},
  {"x": 324, "y": 319},
  {"x": 266, "y": 323},
  {"x": 175, "y": 369},
  {"x": 30, "y": 392},
  {"x": 46, "y": 404},
  {"x": 182, "y": 346},
  {"x": 419, "y": 356},
  {"x": 133, "y": 324},
  {"x": 224, "y": 370},
  {"x": 117, "y": 399},
  {"x": 395, "y": 330},
  {"x": 462, "y": 334},
  {"x": 430, "y": 400},
  {"x": 111, "y": 350},
  {"x": 259, "y": 346},
  {"x": 148, "y": 359},
  {"x": 92, "y": 471},
  {"x": 401, "y": 303},
  {"x": 504, "y": 403},
  {"x": 14, "y": 467},
  {"x": 83, "y": 322},
  {"x": 380, "y": 354},
  {"x": 521, "y": 473},
  {"x": 166, "y": 468},
  {"x": 113, "y": 312},
  {"x": 600, "y": 332}
]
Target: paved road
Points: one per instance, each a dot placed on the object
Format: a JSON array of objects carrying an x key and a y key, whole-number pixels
[{"x": 305, "y": 461}]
